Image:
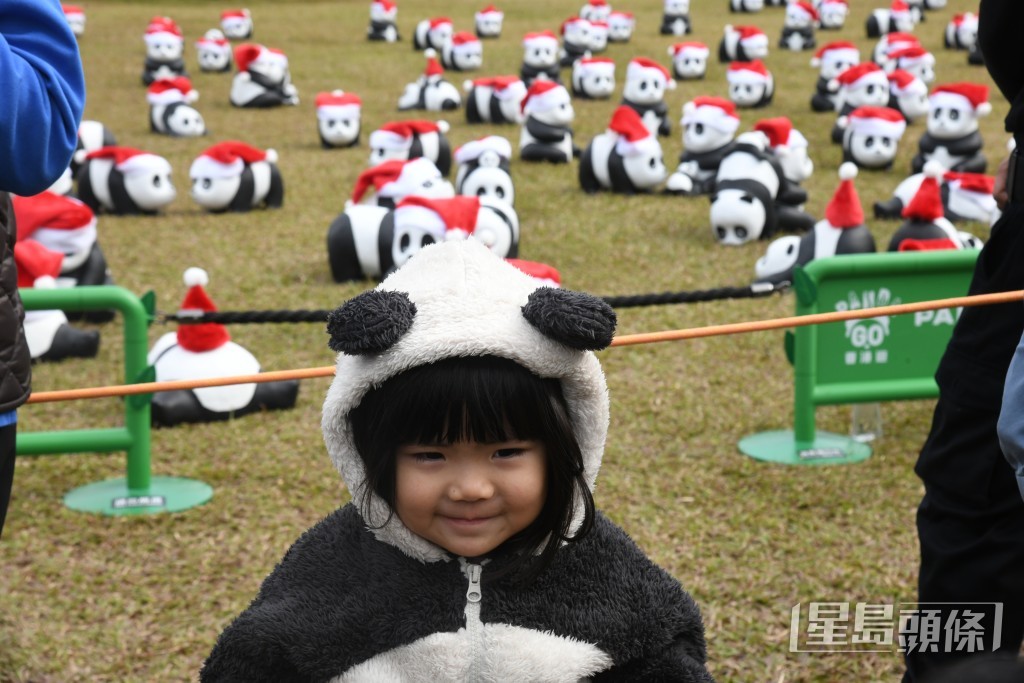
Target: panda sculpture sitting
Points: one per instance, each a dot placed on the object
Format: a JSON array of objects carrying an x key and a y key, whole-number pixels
[
  {"x": 962, "y": 31},
  {"x": 675, "y": 19},
  {"x": 709, "y": 130},
  {"x": 488, "y": 22},
  {"x": 871, "y": 137},
  {"x": 236, "y": 24},
  {"x": 546, "y": 134},
  {"x": 751, "y": 85},
  {"x": 263, "y": 79},
  {"x": 213, "y": 52},
  {"x": 410, "y": 139},
  {"x": 863, "y": 85},
  {"x": 164, "y": 50},
  {"x": 831, "y": 59},
  {"x": 798, "y": 26},
  {"x": 925, "y": 225},
  {"x": 383, "y": 22},
  {"x": 575, "y": 41},
  {"x": 495, "y": 99},
  {"x": 625, "y": 159},
  {"x": 233, "y": 176},
  {"x": 951, "y": 136},
  {"x": 338, "y": 119},
  {"x": 832, "y": 14},
  {"x": 540, "y": 58},
  {"x": 484, "y": 169},
  {"x": 170, "y": 110},
  {"x": 789, "y": 146},
  {"x": 897, "y": 19},
  {"x": 908, "y": 95},
  {"x": 124, "y": 181},
  {"x": 430, "y": 92},
  {"x": 742, "y": 44},
  {"x": 644, "y": 91},
  {"x": 596, "y": 10},
  {"x": 965, "y": 197},
  {"x": 620, "y": 26}
]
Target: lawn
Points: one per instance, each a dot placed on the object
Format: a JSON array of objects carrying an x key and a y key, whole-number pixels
[{"x": 143, "y": 598}]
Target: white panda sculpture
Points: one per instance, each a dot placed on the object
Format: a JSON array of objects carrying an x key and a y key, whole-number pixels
[
  {"x": 620, "y": 26},
  {"x": 263, "y": 79},
  {"x": 394, "y": 180},
  {"x": 915, "y": 60},
  {"x": 164, "y": 50},
  {"x": 237, "y": 177},
  {"x": 752, "y": 197},
  {"x": 494, "y": 99},
  {"x": 925, "y": 225},
  {"x": 742, "y": 44},
  {"x": 75, "y": 16},
  {"x": 432, "y": 33},
  {"x": 412, "y": 138},
  {"x": 576, "y": 40},
  {"x": 546, "y": 133},
  {"x": 625, "y": 159},
  {"x": 965, "y": 197},
  {"x": 709, "y": 130},
  {"x": 831, "y": 59},
  {"x": 751, "y": 85},
  {"x": 593, "y": 78},
  {"x": 962, "y": 31},
  {"x": 170, "y": 108},
  {"x": 430, "y": 92},
  {"x": 871, "y": 137},
  {"x": 748, "y": 6},
  {"x": 644, "y": 91},
  {"x": 908, "y": 95},
  {"x": 464, "y": 52},
  {"x": 92, "y": 135},
  {"x": 832, "y": 14},
  {"x": 789, "y": 146},
  {"x": 595, "y": 10},
  {"x": 338, "y": 119},
  {"x": 213, "y": 52},
  {"x": 540, "y": 58},
  {"x": 897, "y": 19},
  {"x": 599, "y": 32},
  {"x": 862, "y": 85},
  {"x": 124, "y": 180},
  {"x": 49, "y": 334},
  {"x": 484, "y": 169},
  {"x": 236, "y": 24},
  {"x": 951, "y": 136},
  {"x": 890, "y": 43},
  {"x": 371, "y": 241},
  {"x": 798, "y": 26},
  {"x": 488, "y": 22},
  {"x": 675, "y": 18},
  {"x": 841, "y": 231},
  {"x": 689, "y": 60},
  {"x": 383, "y": 22}
]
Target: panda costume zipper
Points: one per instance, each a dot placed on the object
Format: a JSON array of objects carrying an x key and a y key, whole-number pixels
[{"x": 474, "y": 627}]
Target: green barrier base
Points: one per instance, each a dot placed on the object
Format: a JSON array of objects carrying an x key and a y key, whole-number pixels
[
  {"x": 826, "y": 448},
  {"x": 113, "y": 497}
]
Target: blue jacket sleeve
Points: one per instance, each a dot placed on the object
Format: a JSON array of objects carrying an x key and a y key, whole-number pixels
[
  {"x": 43, "y": 94},
  {"x": 1011, "y": 417}
]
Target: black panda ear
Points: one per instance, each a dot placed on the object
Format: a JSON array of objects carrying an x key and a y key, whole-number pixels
[
  {"x": 370, "y": 322},
  {"x": 578, "y": 320}
]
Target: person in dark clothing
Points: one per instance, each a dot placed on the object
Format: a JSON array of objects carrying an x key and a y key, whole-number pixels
[{"x": 971, "y": 520}]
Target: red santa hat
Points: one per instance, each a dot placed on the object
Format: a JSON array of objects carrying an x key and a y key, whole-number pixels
[
  {"x": 961, "y": 18},
  {"x": 844, "y": 3},
  {"x": 464, "y": 42},
  {"x": 754, "y": 72},
  {"x": 433, "y": 67},
  {"x": 883, "y": 121},
  {"x": 597, "y": 3},
  {"x": 802, "y": 9},
  {"x": 49, "y": 226},
  {"x": 162, "y": 29},
  {"x": 228, "y": 159},
  {"x": 337, "y": 104},
  {"x": 235, "y": 14},
  {"x": 597, "y": 66},
  {"x": 897, "y": 40},
  {"x": 574, "y": 24},
  {"x": 905, "y": 83},
  {"x": 633, "y": 136},
  {"x": 970, "y": 97},
  {"x": 452, "y": 218},
  {"x": 490, "y": 12},
  {"x": 543, "y": 96},
  {"x": 199, "y": 337},
  {"x": 51, "y": 211},
  {"x": 717, "y": 112},
  {"x": 170, "y": 90},
  {"x": 926, "y": 204},
  {"x": 394, "y": 178},
  {"x": 619, "y": 18},
  {"x": 642, "y": 67},
  {"x": 689, "y": 49},
  {"x": 214, "y": 41},
  {"x": 398, "y": 135},
  {"x": 912, "y": 56},
  {"x": 844, "y": 210},
  {"x": 377, "y": 177},
  {"x": 750, "y": 37},
  {"x": 33, "y": 261},
  {"x": 899, "y": 10},
  {"x": 540, "y": 39},
  {"x": 777, "y": 129},
  {"x": 542, "y": 272},
  {"x": 472, "y": 150},
  {"x": 839, "y": 50},
  {"x": 977, "y": 183},
  {"x": 861, "y": 74},
  {"x": 383, "y": 6},
  {"x": 253, "y": 54},
  {"x": 131, "y": 161},
  {"x": 73, "y": 11}
]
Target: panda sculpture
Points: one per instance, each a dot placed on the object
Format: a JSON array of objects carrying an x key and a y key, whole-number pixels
[
  {"x": 871, "y": 137},
  {"x": 644, "y": 91},
  {"x": 383, "y": 22},
  {"x": 92, "y": 135},
  {"x": 842, "y": 231},
  {"x": 263, "y": 79},
  {"x": 751, "y": 85},
  {"x": 863, "y": 85},
  {"x": 961, "y": 31},
  {"x": 464, "y": 52},
  {"x": 540, "y": 58},
  {"x": 897, "y": 19},
  {"x": 484, "y": 169},
  {"x": 202, "y": 351},
  {"x": 620, "y": 26},
  {"x": 213, "y": 52},
  {"x": 832, "y": 14},
  {"x": 798, "y": 26},
  {"x": 599, "y": 31},
  {"x": 925, "y": 225},
  {"x": 50, "y": 336},
  {"x": 625, "y": 159},
  {"x": 164, "y": 50},
  {"x": 789, "y": 147},
  {"x": 75, "y": 16},
  {"x": 748, "y": 6},
  {"x": 488, "y": 22},
  {"x": 410, "y": 139},
  {"x": 951, "y": 136},
  {"x": 675, "y": 19},
  {"x": 890, "y": 43},
  {"x": 495, "y": 99},
  {"x": 593, "y": 78},
  {"x": 338, "y": 119},
  {"x": 371, "y": 242},
  {"x": 831, "y": 59},
  {"x": 596, "y": 10},
  {"x": 237, "y": 177},
  {"x": 908, "y": 95},
  {"x": 236, "y": 24},
  {"x": 546, "y": 133},
  {"x": 124, "y": 180},
  {"x": 752, "y": 197},
  {"x": 742, "y": 44},
  {"x": 965, "y": 197},
  {"x": 430, "y": 92},
  {"x": 432, "y": 33},
  {"x": 170, "y": 108},
  {"x": 915, "y": 60},
  {"x": 394, "y": 180},
  {"x": 709, "y": 130},
  {"x": 689, "y": 60},
  {"x": 575, "y": 41}
]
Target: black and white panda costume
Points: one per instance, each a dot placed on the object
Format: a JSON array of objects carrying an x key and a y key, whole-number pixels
[
  {"x": 798, "y": 27},
  {"x": 675, "y": 18},
  {"x": 546, "y": 134},
  {"x": 495, "y": 99},
  {"x": 842, "y": 231},
  {"x": 742, "y": 44},
  {"x": 625, "y": 159},
  {"x": 540, "y": 58},
  {"x": 951, "y": 136},
  {"x": 485, "y": 169},
  {"x": 203, "y": 351},
  {"x": 263, "y": 79},
  {"x": 383, "y": 26},
  {"x": 170, "y": 108},
  {"x": 360, "y": 597}
]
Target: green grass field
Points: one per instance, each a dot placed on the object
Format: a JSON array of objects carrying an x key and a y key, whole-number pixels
[{"x": 142, "y": 599}]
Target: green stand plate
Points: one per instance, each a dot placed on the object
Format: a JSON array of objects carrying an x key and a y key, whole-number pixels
[
  {"x": 826, "y": 449},
  {"x": 113, "y": 497}
]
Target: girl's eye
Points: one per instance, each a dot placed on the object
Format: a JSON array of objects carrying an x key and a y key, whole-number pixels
[
  {"x": 429, "y": 456},
  {"x": 508, "y": 452}
]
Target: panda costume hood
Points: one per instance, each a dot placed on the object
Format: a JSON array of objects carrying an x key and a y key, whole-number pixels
[{"x": 361, "y": 598}]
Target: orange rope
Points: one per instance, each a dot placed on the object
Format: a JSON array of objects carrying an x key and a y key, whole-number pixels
[{"x": 624, "y": 340}]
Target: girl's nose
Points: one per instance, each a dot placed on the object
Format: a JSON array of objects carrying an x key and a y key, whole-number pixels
[{"x": 470, "y": 486}]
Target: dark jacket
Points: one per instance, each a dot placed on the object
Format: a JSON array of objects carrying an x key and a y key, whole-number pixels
[{"x": 15, "y": 362}]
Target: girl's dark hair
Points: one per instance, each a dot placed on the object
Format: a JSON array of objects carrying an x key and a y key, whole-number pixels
[{"x": 485, "y": 399}]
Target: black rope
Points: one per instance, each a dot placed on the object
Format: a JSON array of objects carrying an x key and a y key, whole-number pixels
[{"x": 753, "y": 291}]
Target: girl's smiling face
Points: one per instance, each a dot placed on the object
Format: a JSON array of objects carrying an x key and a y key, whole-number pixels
[{"x": 470, "y": 497}]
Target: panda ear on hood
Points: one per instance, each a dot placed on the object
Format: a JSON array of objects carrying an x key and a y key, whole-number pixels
[
  {"x": 578, "y": 320},
  {"x": 370, "y": 322}
]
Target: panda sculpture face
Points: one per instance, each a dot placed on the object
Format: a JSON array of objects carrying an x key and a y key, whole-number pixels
[
  {"x": 439, "y": 36},
  {"x": 830, "y": 68},
  {"x": 164, "y": 49},
  {"x": 913, "y": 105},
  {"x": 215, "y": 194},
  {"x": 381, "y": 154},
  {"x": 924, "y": 71},
  {"x": 796, "y": 18},
  {"x": 747, "y": 94},
  {"x": 380, "y": 14},
  {"x": 186, "y": 122},
  {"x": 870, "y": 150},
  {"x": 737, "y": 217},
  {"x": 150, "y": 191},
  {"x": 595, "y": 85},
  {"x": 237, "y": 28},
  {"x": 967, "y": 34},
  {"x": 619, "y": 29},
  {"x": 272, "y": 71},
  {"x": 339, "y": 130},
  {"x": 646, "y": 170},
  {"x": 409, "y": 238},
  {"x": 489, "y": 25},
  {"x": 491, "y": 181},
  {"x": 690, "y": 66},
  {"x": 747, "y": 5},
  {"x": 493, "y": 232},
  {"x": 832, "y": 15},
  {"x": 699, "y": 137},
  {"x": 437, "y": 95},
  {"x": 950, "y": 123},
  {"x": 213, "y": 60},
  {"x": 578, "y": 33},
  {"x": 779, "y": 259},
  {"x": 676, "y": 8},
  {"x": 540, "y": 56},
  {"x": 599, "y": 38},
  {"x": 468, "y": 59},
  {"x": 866, "y": 92},
  {"x": 562, "y": 115},
  {"x": 644, "y": 90}
]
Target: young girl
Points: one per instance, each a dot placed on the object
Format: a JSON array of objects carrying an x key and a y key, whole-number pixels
[{"x": 467, "y": 418}]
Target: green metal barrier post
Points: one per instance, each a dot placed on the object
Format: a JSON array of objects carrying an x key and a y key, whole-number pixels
[
  {"x": 138, "y": 492},
  {"x": 885, "y": 358}
]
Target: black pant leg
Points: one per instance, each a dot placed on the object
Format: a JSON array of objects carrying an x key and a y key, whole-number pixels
[{"x": 7, "y": 441}]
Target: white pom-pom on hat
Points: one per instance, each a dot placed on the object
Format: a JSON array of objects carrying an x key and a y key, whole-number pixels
[
  {"x": 467, "y": 85},
  {"x": 443, "y": 126},
  {"x": 847, "y": 170},
  {"x": 45, "y": 282},
  {"x": 983, "y": 109},
  {"x": 196, "y": 276},
  {"x": 271, "y": 156},
  {"x": 430, "y": 53},
  {"x": 933, "y": 169}
]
